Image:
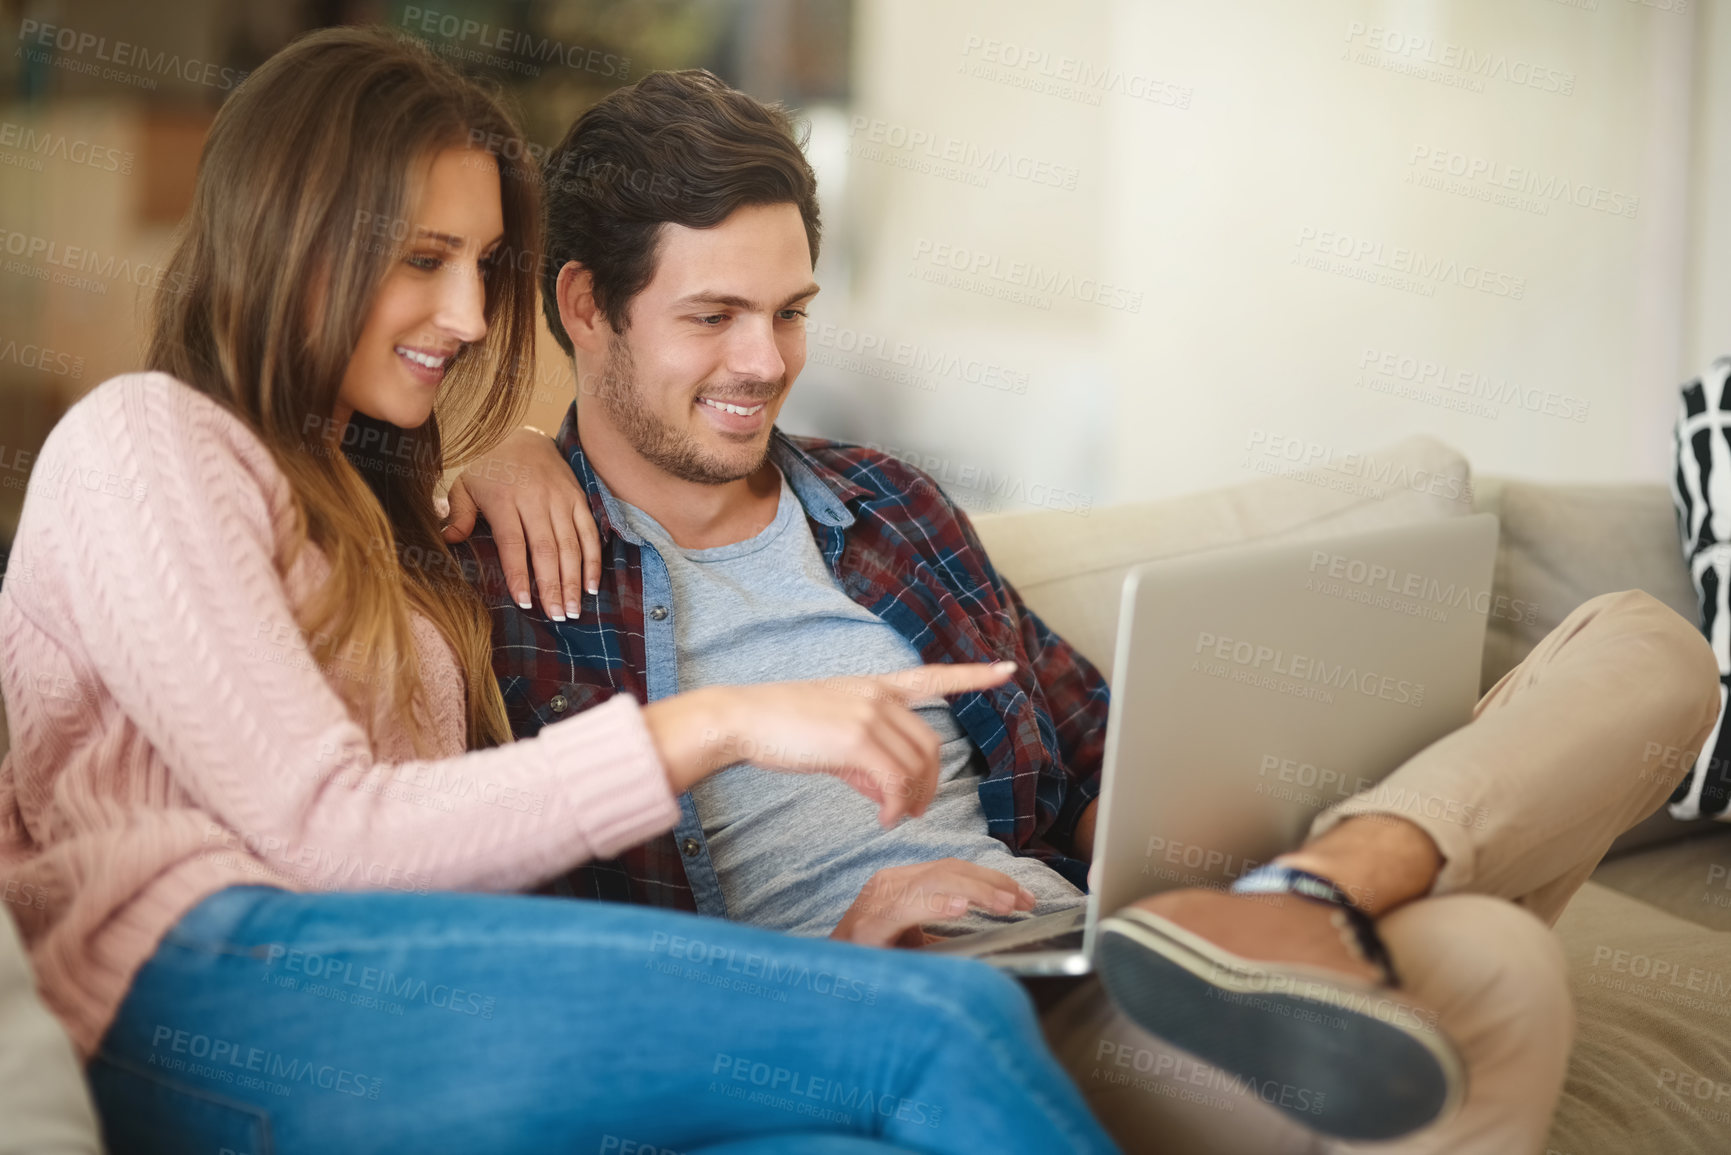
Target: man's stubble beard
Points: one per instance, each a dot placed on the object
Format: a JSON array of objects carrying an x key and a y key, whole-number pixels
[{"x": 657, "y": 442}]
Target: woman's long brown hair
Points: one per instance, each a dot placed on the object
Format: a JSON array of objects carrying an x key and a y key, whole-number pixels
[{"x": 302, "y": 204}]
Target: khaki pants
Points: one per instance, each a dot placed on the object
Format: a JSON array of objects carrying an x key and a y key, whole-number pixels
[{"x": 1572, "y": 747}]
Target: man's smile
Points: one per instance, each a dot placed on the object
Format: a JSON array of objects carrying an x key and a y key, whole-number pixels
[{"x": 726, "y": 407}]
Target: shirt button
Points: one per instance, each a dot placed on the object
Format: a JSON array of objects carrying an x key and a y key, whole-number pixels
[
  {"x": 659, "y": 613},
  {"x": 690, "y": 846},
  {"x": 558, "y": 704}
]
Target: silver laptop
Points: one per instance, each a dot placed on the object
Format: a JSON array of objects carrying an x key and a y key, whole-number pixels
[{"x": 1254, "y": 687}]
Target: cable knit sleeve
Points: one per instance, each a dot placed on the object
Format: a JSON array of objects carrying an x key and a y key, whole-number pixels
[{"x": 161, "y": 546}]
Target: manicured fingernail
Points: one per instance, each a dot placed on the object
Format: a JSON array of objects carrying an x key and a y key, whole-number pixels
[
  {"x": 523, "y": 602},
  {"x": 556, "y": 612},
  {"x": 575, "y": 609},
  {"x": 1004, "y": 668},
  {"x": 594, "y": 588}
]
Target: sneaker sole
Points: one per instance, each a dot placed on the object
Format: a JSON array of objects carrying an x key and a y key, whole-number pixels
[{"x": 1346, "y": 1060}]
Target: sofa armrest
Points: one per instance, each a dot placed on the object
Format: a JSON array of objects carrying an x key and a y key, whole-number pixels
[{"x": 43, "y": 1097}]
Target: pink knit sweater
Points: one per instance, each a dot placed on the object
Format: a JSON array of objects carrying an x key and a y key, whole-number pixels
[{"x": 170, "y": 735}]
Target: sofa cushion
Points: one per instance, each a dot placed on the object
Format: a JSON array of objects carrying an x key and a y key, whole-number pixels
[
  {"x": 1651, "y": 1067},
  {"x": 1688, "y": 877},
  {"x": 1564, "y": 544},
  {"x": 1070, "y": 568},
  {"x": 1701, "y": 488},
  {"x": 44, "y": 1103}
]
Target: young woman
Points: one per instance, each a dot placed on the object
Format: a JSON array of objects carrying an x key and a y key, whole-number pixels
[{"x": 261, "y": 779}]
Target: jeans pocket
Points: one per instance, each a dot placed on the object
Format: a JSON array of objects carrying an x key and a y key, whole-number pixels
[
  {"x": 144, "y": 1113},
  {"x": 215, "y": 921}
]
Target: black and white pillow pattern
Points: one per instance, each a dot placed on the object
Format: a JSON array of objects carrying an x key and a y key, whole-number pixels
[{"x": 1701, "y": 488}]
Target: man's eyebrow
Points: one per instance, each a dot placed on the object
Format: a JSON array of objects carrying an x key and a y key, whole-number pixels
[{"x": 732, "y": 301}]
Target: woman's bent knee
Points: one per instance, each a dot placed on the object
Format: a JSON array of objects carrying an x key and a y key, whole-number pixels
[{"x": 984, "y": 998}]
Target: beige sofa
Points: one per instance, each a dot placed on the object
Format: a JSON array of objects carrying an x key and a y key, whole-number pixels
[
  {"x": 1649, "y": 939},
  {"x": 1662, "y": 905}
]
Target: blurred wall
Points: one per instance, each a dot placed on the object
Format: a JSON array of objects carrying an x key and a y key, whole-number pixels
[
  {"x": 1708, "y": 242},
  {"x": 1088, "y": 253},
  {"x": 1241, "y": 236}
]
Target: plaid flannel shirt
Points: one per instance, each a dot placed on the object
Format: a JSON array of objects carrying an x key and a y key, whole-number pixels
[{"x": 899, "y": 547}]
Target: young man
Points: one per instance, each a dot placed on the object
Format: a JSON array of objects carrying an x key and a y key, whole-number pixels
[{"x": 683, "y": 230}]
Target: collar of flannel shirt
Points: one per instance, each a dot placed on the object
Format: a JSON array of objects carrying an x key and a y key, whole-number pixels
[{"x": 899, "y": 547}]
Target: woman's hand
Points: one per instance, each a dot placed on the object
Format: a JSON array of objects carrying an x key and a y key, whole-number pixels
[
  {"x": 529, "y": 495},
  {"x": 896, "y": 900},
  {"x": 860, "y": 730}
]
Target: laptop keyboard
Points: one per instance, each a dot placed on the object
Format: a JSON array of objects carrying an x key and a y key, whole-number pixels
[{"x": 1059, "y": 931}]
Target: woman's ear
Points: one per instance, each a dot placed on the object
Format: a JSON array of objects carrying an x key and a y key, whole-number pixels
[{"x": 583, "y": 320}]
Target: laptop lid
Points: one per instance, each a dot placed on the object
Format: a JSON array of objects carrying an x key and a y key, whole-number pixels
[{"x": 1255, "y": 686}]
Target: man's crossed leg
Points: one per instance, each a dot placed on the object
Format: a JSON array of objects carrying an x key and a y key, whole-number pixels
[{"x": 1558, "y": 760}]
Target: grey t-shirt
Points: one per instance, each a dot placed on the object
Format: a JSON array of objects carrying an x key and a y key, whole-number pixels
[{"x": 792, "y": 851}]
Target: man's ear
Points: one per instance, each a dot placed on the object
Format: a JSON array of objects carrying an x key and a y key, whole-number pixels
[{"x": 583, "y": 321}]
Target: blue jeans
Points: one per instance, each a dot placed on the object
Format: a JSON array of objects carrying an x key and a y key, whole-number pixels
[{"x": 269, "y": 1020}]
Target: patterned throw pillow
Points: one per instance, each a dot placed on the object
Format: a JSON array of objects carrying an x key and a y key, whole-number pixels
[{"x": 1701, "y": 488}]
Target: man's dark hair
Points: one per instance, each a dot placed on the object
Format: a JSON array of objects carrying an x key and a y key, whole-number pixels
[{"x": 679, "y": 147}]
